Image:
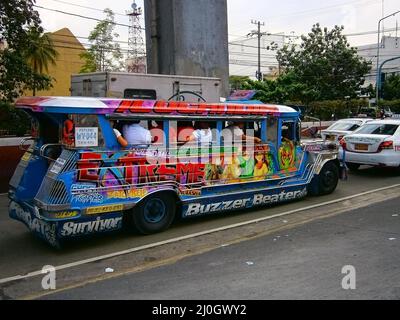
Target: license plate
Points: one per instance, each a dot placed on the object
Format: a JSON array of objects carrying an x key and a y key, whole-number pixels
[{"x": 361, "y": 147}]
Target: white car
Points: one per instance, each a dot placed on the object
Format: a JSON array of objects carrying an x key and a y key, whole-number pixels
[
  {"x": 376, "y": 143},
  {"x": 342, "y": 128}
]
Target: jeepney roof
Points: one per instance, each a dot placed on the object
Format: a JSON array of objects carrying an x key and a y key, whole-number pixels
[{"x": 106, "y": 106}]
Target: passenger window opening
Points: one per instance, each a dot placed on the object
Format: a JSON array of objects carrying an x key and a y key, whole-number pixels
[{"x": 288, "y": 131}]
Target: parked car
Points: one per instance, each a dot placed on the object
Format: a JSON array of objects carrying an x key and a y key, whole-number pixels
[
  {"x": 342, "y": 128},
  {"x": 368, "y": 112},
  {"x": 376, "y": 143},
  {"x": 375, "y": 112},
  {"x": 388, "y": 113}
]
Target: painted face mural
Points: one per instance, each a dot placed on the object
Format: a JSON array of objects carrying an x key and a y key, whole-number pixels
[
  {"x": 286, "y": 155},
  {"x": 264, "y": 164},
  {"x": 232, "y": 170}
]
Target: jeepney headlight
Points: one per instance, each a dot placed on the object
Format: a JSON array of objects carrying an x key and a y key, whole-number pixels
[
  {"x": 37, "y": 211},
  {"x": 332, "y": 146}
]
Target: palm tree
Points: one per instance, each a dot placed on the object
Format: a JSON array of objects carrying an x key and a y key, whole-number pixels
[{"x": 40, "y": 52}]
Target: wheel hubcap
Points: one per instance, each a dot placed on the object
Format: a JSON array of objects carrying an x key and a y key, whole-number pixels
[{"x": 154, "y": 211}]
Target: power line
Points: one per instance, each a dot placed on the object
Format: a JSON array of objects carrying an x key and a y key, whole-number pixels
[
  {"x": 305, "y": 12},
  {"x": 368, "y": 32},
  {"x": 85, "y": 7},
  {"x": 81, "y": 16}
]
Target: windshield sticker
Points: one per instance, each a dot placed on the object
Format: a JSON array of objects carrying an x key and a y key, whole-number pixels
[{"x": 86, "y": 137}]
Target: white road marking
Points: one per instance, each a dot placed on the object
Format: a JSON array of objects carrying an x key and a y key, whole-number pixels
[{"x": 190, "y": 236}]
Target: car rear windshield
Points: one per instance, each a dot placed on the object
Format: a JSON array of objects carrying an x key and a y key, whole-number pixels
[
  {"x": 345, "y": 126},
  {"x": 380, "y": 129}
]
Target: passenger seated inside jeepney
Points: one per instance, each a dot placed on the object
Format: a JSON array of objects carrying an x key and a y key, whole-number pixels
[
  {"x": 137, "y": 135},
  {"x": 237, "y": 132},
  {"x": 185, "y": 131},
  {"x": 158, "y": 134},
  {"x": 202, "y": 133},
  {"x": 121, "y": 140}
]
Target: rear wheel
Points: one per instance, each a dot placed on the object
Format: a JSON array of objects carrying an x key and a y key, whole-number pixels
[
  {"x": 154, "y": 214},
  {"x": 353, "y": 166}
]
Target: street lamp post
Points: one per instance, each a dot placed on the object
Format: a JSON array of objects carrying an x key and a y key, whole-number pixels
[{"x": 377, "y": 55}]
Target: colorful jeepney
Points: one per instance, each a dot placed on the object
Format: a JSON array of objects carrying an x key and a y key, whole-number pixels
[{"x": 77, "y": 180}]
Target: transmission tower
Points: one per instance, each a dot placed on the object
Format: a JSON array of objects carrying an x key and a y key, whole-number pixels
[{"x": 136, "y": 62}]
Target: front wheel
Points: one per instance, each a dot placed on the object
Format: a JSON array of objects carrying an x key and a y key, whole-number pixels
[
  {"x": 154, "y": 214},
  {"x": 328, "y": 178},
  {"x": 326, "y": 181}
]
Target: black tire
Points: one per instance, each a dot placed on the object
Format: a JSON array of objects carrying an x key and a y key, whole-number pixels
[
  {"x": 328, "y": 178},
  {"x": 154, "y": 214},
  {"x": 353, "y": 166}
]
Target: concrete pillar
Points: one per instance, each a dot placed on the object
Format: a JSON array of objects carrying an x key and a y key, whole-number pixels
[{"x": 188, "y": 37}]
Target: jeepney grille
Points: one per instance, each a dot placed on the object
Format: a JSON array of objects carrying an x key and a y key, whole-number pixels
[
  {"x": 53, "y": 192},
  {"x": 70, "y": 158}
]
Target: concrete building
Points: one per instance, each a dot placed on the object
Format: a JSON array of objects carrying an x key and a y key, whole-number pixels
[
  {"x": 68, "y": 62},
  {"x": 188, "y": 37},
  {"x": 390, "y": 48}
]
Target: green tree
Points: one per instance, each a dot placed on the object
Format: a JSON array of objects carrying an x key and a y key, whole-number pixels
[
  {"x": 391, "y": 88},
  {"x": 40, "y": 52},
  {"x": 238, "y": 82},
  {"x": 285, "y": 88},
  {"x": 104, "y": 53},
  {"x": 17, "y": 17},
  {"x": 325, "y": 66}
]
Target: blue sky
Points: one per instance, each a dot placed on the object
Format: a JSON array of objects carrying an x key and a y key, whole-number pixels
[{"x": 279, "y": 16}]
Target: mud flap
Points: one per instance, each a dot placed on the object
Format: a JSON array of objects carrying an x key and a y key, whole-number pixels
[{"x": 312, "y": 188}]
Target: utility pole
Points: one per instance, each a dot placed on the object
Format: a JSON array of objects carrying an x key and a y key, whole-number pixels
[
  {"x": 259, "y": 35},
  {"x": 378, "y": 51}
]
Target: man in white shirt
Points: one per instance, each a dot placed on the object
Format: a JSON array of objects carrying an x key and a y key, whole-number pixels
[
  {"x": 136, "y": 135},
  {"x": 203, "y": 134}
]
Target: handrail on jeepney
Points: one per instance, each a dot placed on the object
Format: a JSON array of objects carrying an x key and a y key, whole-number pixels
[
  {"x": 44, "y": 147},
  {"x": 23, "y": 141}
]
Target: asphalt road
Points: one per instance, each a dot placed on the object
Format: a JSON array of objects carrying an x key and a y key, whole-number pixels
[{"x": 302, "y": 263}]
